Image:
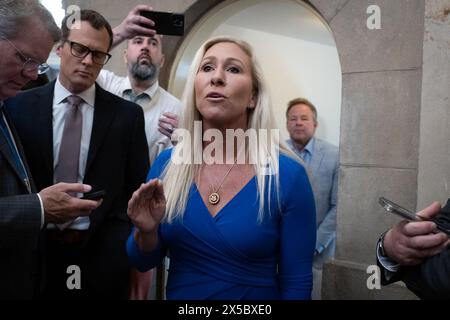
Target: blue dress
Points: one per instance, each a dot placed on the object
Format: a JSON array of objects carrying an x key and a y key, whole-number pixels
[{"x": 231, "y": 256}]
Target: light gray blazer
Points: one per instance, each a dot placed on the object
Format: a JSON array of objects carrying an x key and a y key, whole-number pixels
[{"x": 324, "y": 167}]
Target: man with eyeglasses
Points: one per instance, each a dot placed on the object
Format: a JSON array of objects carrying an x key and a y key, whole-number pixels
[
  {"x": 31, "y": 64},
  {"x": 74, "y": 126},
  {"x": 27, "y": 34}
]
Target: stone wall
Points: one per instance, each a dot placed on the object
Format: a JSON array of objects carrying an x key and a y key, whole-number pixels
[{"x": 434, "y": 164}]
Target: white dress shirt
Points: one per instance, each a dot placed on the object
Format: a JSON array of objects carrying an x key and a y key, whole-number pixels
[
  {"x": 154, "y": 101},
  {"x": 60, "y": 106}
]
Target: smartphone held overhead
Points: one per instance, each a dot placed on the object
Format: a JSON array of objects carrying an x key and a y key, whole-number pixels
[{"x": 166, "y": 23}]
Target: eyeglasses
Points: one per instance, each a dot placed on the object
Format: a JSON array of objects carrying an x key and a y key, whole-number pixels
[
  {"x": 80, "y": 51},
  {"x": 29, "y": 64}
]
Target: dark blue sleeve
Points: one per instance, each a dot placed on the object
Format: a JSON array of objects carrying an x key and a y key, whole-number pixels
[
  {"x": 144, "y": 261},
  {"x": 298, "y": 231},
  {"x": 159, "y": 165},
  {"x": 148, "y": 260}
]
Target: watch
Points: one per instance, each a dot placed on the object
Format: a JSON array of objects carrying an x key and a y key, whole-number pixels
[{"x": 381, "y": 245}]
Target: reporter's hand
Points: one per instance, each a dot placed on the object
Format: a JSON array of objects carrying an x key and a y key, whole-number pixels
[
  {"x": 60, "y": 207},
  {"x": 134, "y": 24},
  {"x": 168, "y": 123},
  {"x": 147, "y": 206},
  {"x": 409, "y": 243}
]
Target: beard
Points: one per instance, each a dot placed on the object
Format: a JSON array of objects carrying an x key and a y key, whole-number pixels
[{"x": 144, "y": 72}]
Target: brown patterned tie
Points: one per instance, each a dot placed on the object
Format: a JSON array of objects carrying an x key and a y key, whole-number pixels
[{"x": 69, "y": 150}]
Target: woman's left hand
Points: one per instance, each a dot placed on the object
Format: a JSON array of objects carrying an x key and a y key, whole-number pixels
[{"x": 147, "y": 206}]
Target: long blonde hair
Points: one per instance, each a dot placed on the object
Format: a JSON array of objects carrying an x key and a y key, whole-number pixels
[{"x": 178, "y": 178}]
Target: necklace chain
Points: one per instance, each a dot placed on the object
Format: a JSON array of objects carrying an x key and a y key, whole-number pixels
[
  {"x": 214, "y": 197},
  {"x": 224, "y": 177}
]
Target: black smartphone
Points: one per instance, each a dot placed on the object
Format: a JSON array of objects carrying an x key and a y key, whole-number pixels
[
  {"x": 167, "y": 23},
  {"x": 94, "y": 195}
]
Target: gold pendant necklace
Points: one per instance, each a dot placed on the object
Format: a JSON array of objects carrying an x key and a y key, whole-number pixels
[{"x": 214, "y": 197}]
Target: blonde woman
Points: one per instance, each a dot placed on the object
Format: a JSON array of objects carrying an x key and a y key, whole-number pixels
[{"x": 243, "y": 225}]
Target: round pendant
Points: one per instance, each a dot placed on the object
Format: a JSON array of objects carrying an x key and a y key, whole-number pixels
[{"x": 214, "y": 198}]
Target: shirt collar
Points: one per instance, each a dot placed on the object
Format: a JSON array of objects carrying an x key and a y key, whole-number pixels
[
  {"x": 61, "y": 93},
  {"x": 151, "y": 91},
  {"x": 308, "y": 148}
]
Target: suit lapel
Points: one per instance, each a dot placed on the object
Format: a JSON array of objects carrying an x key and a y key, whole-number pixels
[
  {"x": 6, "y": 152},
  {"x": 42, "y": 126},
  {"x": 104, "y": 113},
  {"x": 21, "y": 153},
  {"x": 317, "y": 157}
]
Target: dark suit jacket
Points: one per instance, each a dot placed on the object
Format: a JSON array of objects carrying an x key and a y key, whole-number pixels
[
  {"x": 20, "y": 227},
  {"x": 429, "y": 280},
  {"x": 117, "y": 161}
]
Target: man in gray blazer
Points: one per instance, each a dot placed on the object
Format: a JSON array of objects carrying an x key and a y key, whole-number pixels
[
  {"x": 322, "y": 160},
  {"x": 27, "y": 34}
]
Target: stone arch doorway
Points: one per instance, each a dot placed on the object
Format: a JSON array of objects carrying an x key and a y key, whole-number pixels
[
  {"x": 291, "y": 41},
  {"x": 381, "y": 72}
]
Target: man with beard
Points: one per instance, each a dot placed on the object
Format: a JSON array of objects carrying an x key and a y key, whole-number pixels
[{"x": 144, "y": 59}]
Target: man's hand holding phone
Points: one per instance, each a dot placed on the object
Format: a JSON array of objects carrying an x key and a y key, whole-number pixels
[
  {"x": 60, "y": 206},
  {"x": 142, "y": 20},
  {"x": 439, "y": 218},
  {"x": 134, "y": 24},
  {"x": 408, "y": 243}
]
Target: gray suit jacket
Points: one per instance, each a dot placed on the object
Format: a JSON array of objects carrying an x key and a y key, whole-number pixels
[
  {"x": 20, "y": 227},
  {"x": 323, "y": 168}
]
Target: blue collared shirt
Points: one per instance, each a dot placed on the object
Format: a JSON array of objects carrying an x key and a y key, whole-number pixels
[{"x": 306, "y": 153}]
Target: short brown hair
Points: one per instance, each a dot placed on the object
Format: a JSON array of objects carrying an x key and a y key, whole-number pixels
[
  {"x": 95, "y": 19},
  {"x": 304, "y": 101}
]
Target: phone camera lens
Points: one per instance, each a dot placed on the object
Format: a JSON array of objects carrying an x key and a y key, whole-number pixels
[{"x": 178, "y": 22}]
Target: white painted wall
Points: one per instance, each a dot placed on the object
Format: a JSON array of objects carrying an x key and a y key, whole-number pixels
[{"x": 294, "y": 47}]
